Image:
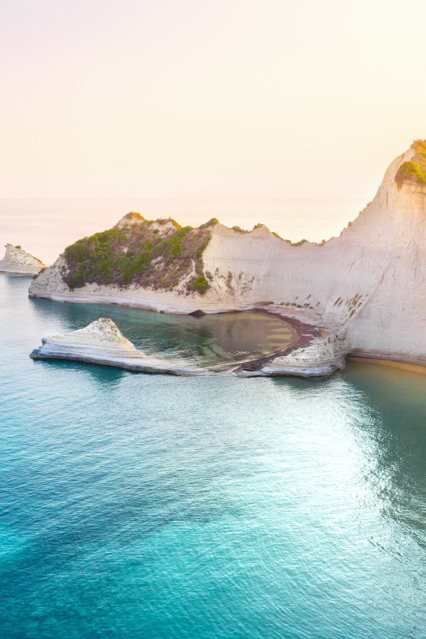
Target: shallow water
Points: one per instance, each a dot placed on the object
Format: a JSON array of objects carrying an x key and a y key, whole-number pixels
[{"x": 197, "y": 508}]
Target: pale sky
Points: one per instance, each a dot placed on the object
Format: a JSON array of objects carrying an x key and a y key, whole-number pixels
[{"x": 217, "y": 98}]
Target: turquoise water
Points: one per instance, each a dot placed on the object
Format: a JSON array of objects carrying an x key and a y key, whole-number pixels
[{"x": 204, "y": 508}]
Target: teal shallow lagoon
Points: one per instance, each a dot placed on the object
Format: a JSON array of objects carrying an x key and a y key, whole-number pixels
[{"x": 158, "y": 507}]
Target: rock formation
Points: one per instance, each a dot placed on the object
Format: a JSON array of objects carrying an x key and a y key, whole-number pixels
[
  {"x": 102, "y": 343},
  {"x": 367, "y": 286},
  {"x": 19, "y": 262},
  {"x": 323, "y": 356}
]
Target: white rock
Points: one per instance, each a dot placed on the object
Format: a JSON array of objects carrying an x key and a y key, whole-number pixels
[
  {"x": 19, "y": 262},
  {"x": 369, "y": 283},
  {"x": 164, "y": 228},
  {"x": 101, "y": 342},
  {"x": 322, "y": 357}
]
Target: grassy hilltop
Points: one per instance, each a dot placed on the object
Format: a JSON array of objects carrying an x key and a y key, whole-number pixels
[{"x": 150, "y": 253}]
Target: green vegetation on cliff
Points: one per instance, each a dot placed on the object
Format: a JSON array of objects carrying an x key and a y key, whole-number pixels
[
  {"x": 199, "y": 284},
  {"x": 420, "y": 147},
  {"x": 157, "y": 254},
  {"x": 415, "y": 169}
]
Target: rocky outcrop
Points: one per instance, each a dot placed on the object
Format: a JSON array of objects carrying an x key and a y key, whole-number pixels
[
  {"x": 102, "y": 343},
  {"x": 19, "y": 262},
  {"x": 323, "y": 356},
  {"x": 368, "y": 285},
  {"x": 158, "y": 255}
]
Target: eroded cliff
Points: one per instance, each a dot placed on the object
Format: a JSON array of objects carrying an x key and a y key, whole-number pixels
[{"x": 368, "y": 285}]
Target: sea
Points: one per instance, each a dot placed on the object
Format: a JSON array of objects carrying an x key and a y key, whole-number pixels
[
  {"x": 154, "y": 507},
  {"x": 46, "y": 227}
]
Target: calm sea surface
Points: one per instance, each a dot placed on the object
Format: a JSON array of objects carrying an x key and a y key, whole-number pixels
[{"x": 136, "y": 506}]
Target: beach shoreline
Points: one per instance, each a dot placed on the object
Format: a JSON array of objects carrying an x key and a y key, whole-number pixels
[{"x": 411, "y": 367}]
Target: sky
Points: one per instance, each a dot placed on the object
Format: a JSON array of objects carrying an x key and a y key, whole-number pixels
[{"x": 207, "y": 98}]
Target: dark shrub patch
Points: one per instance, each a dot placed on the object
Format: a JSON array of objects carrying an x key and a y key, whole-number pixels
[
  {"x": 137, "y": 255},
  {"x": 415, "y": 169},
  {"x": 199, "y": 284}
]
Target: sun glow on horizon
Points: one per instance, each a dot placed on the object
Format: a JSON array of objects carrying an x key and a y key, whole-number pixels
[{"x": 189, "y": 99}]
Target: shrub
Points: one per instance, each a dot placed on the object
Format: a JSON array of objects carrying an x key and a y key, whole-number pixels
[
  {"x": 420, "y": 147},
  {"x": 212, "y": 222},
  {"x": 199, "y": 284},
  {"x": 138, "y": 255},
  {"x": 410, "y": 171},
  {"x": 76, "y": 280},
  {"x": 134, "y": 215},
  {"x": 415, "y": 169},
  {"x": 176, "y": 241}
]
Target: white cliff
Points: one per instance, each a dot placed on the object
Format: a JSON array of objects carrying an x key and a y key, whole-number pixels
[
  {"x": 368, "y": 285},
  {"x": 18, "y": 261},
  {"x": 101, "y": 342}
]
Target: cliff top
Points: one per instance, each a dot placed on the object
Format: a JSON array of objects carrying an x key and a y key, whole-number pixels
[{"x": 159, "y": 254}]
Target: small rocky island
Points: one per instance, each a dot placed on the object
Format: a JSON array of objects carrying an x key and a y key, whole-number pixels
[
  {"x": 365, "y": 289},
  {"x": 102, "y": 343},
  {"x": 18, "y": 262}
]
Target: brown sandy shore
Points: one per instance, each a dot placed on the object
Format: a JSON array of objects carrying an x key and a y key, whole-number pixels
[
  {"x": 420, "y": 369},
  {"x": 303, "y": 334}
]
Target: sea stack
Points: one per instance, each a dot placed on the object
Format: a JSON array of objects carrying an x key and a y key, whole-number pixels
[
  {"x": 367, "y": 286},
  {"x": 101, "y": 342},
  {"x": 19, "y": 262}
]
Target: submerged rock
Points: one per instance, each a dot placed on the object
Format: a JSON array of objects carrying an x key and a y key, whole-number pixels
[
  {"x": 18, "y": 261},
  {"x": 102, "y": 343}
]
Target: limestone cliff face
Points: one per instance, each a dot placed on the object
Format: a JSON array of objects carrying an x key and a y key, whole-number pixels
[
  {"x": 368, "y": 285},
  {"x": 16, "y": 260}
]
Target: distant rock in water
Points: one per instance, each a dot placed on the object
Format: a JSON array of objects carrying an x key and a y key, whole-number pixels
[
  {"x": 368, "y": 285},
  {"x": 102, "y": 343},
  {"x": 18, "y": 261}
]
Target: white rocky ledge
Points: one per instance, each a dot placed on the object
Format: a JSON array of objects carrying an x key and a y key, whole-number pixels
[
  {"x": 19, "y": 262},
  {"x": 102, "y": 343},
  {"x": 323, "y": 356}
]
